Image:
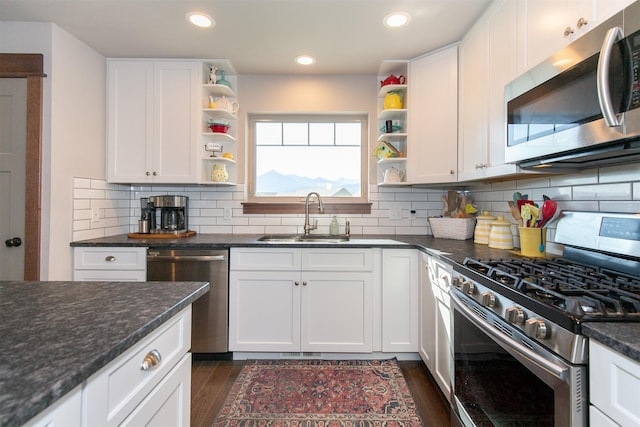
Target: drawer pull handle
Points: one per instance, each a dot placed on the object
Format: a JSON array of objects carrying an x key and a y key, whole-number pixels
[
  {"x": 110, "y": 258},
  {"x": 151, "y": 361}
]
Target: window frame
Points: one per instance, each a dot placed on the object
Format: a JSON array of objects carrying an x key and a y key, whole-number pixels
[{"x": 295, "y": 204}]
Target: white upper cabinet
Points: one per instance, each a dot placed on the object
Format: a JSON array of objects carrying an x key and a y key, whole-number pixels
[
  {"x": 488, "y": 61},
  {"x": 152, "y": 122},
  {"x": 474, "y": 83},
  {"x": 548, "y": 25},
  {"x": 433, "y": 117}
]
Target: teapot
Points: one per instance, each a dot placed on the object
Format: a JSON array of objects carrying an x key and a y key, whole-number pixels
[
  {"x": 393, "y": 80},
  {"x": 392, "y": 100},
  {"x": 392, "y": 175},
  {"x": 226, "y": 104},
  {"x": 219, "y": 173}
]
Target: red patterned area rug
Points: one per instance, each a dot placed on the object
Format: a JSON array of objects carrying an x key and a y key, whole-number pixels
[{"x": 319, "y": 393}]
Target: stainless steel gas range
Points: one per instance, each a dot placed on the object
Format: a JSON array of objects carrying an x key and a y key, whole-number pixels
[{"x": 518, "y": 353}]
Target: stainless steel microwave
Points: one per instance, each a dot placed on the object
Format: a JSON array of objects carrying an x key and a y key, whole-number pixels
[{"x": 580, "y": 107}]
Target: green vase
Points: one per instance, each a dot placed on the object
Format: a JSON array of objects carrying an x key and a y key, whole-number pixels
[{"x": 222, "y": 81}]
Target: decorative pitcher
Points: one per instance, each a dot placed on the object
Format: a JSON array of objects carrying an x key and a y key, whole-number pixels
[
  {"x": 219, "y": 173},
  {"x": 392, "y": 100},
  {"x": 393, "y": 175}
]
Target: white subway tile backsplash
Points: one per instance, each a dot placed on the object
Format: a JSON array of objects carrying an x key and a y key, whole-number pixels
[
  {"x": 620, "y": 191},
  {"x": 605, "y": 189}
]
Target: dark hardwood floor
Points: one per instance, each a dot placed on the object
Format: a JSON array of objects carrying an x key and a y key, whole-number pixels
[{"x": 211, "y": 381}]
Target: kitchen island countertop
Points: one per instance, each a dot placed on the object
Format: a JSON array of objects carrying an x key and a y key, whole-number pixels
[{"x": 55, "y": 335}]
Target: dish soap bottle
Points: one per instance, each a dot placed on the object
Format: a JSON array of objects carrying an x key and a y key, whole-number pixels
[{"x": 334, "y": 227}]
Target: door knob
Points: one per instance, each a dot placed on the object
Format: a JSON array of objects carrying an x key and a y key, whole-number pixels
[{"x": 16, "y": 241}]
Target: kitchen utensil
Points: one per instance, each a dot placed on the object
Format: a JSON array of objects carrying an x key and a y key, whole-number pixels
[
  {"x": 535, "y": 214},
  {"x": 445, "y": 210},
  {"x": 523, "y": 202},
  {"x": 517, "y": 196},
  {"x": 542, "y": 239},
  {"x": 548, "y": 210},
  {"x": 515, "y": 213},
  {"x": 452, "y": 196},
  {"x": 525, "y": 213},
  {"x": 393, "y": 80}
]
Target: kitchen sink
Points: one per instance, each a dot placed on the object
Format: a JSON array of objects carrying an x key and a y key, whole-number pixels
[{"x": 299, "y": 238}]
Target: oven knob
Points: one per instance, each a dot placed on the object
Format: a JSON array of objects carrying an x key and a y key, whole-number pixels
[
  {"x": 468, "y": 287},
  {"x": 536, "y": 328},
  {"x": 456, "y": 282},
  {"x": 488, "y": 299},
  {"x": 515, "y": 315}
]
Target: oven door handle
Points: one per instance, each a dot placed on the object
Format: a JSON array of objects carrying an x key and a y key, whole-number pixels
[{"x": 521, "y": 351}]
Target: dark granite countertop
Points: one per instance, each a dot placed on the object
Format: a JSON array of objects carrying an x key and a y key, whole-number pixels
[
  {"x": 453, "y": 250},
  {"x": 626, "y": 339},
  {"x": 621, "y": 337},
  {"x": 55, "y": 335}
]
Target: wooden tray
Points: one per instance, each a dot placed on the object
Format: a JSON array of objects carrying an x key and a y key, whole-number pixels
[{"x": 189, "y": 233}]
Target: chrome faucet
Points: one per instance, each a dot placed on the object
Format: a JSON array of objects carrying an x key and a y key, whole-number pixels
[{"x": 307, "y": 225}]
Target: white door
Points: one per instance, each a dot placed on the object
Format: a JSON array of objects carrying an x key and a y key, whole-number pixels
[{"x": 13, "y": 119}]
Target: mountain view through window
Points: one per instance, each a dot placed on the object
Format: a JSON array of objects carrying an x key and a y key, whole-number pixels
[{"x": 294, "y": 158}]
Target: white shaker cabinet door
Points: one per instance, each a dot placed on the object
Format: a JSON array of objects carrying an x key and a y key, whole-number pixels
[
  {"x": 130, "y": 121},
  {"x": 400, "y": 288},
  {"x": 152, "y": 121},
  {"x": 337, "y": 312},
  {"x": 433, "y": 118},
  {"x": 264, "y": 311}
]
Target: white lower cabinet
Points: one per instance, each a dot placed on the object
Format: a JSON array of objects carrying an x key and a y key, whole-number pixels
[
  {"x": 124, "y": 264},
  {"x": 614, "y": 380},
  {"x": 400, "y": 287},
  {"x": 301, "y": 300},
  {"x": 122, "y": 393},
  {"x": 435, "y": 320}
]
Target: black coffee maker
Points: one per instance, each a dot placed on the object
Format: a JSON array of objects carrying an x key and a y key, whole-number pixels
[{"x": 172, "y": 211}]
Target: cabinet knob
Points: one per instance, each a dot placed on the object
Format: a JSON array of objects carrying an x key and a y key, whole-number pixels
[
  {"x": 452, "y": 172},
  {"x": 568, "y": 31},
  {"x": 155, "y": 173},
  {"x": 581, "y": 23},
  {"x": 296, "y": 283},
  {"x": 110, "y": 258},
  {"x": 304, "y": 283},
  {"x": 151, "y": 361},
  {"x": 147, "y": 173}
]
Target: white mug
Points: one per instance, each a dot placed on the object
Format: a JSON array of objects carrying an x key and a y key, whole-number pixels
[{"x": 225, "y": 104}]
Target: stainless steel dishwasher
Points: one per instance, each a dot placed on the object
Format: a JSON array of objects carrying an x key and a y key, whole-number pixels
[{"x": 210, "y": 318}]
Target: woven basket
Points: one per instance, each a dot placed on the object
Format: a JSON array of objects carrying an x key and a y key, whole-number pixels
[{"x": 452, "y": 228}]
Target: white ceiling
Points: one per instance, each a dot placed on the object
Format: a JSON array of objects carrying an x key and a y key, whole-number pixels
[{"x": 258, "y": 36}]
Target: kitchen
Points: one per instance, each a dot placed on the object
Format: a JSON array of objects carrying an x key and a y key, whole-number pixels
[{"x": 81, "y": 78}]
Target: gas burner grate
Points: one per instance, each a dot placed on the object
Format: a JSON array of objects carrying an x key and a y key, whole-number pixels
[{"x": 582, "y": 290}]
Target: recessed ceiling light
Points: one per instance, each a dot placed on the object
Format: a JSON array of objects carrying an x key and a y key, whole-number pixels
[
  {"x": 200, "y": 19},
  {"x": 396, "y": 19},
  {"x": 305, "y": 60}
]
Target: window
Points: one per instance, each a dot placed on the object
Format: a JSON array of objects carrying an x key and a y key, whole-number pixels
[{"x": 293, "y": 155}]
